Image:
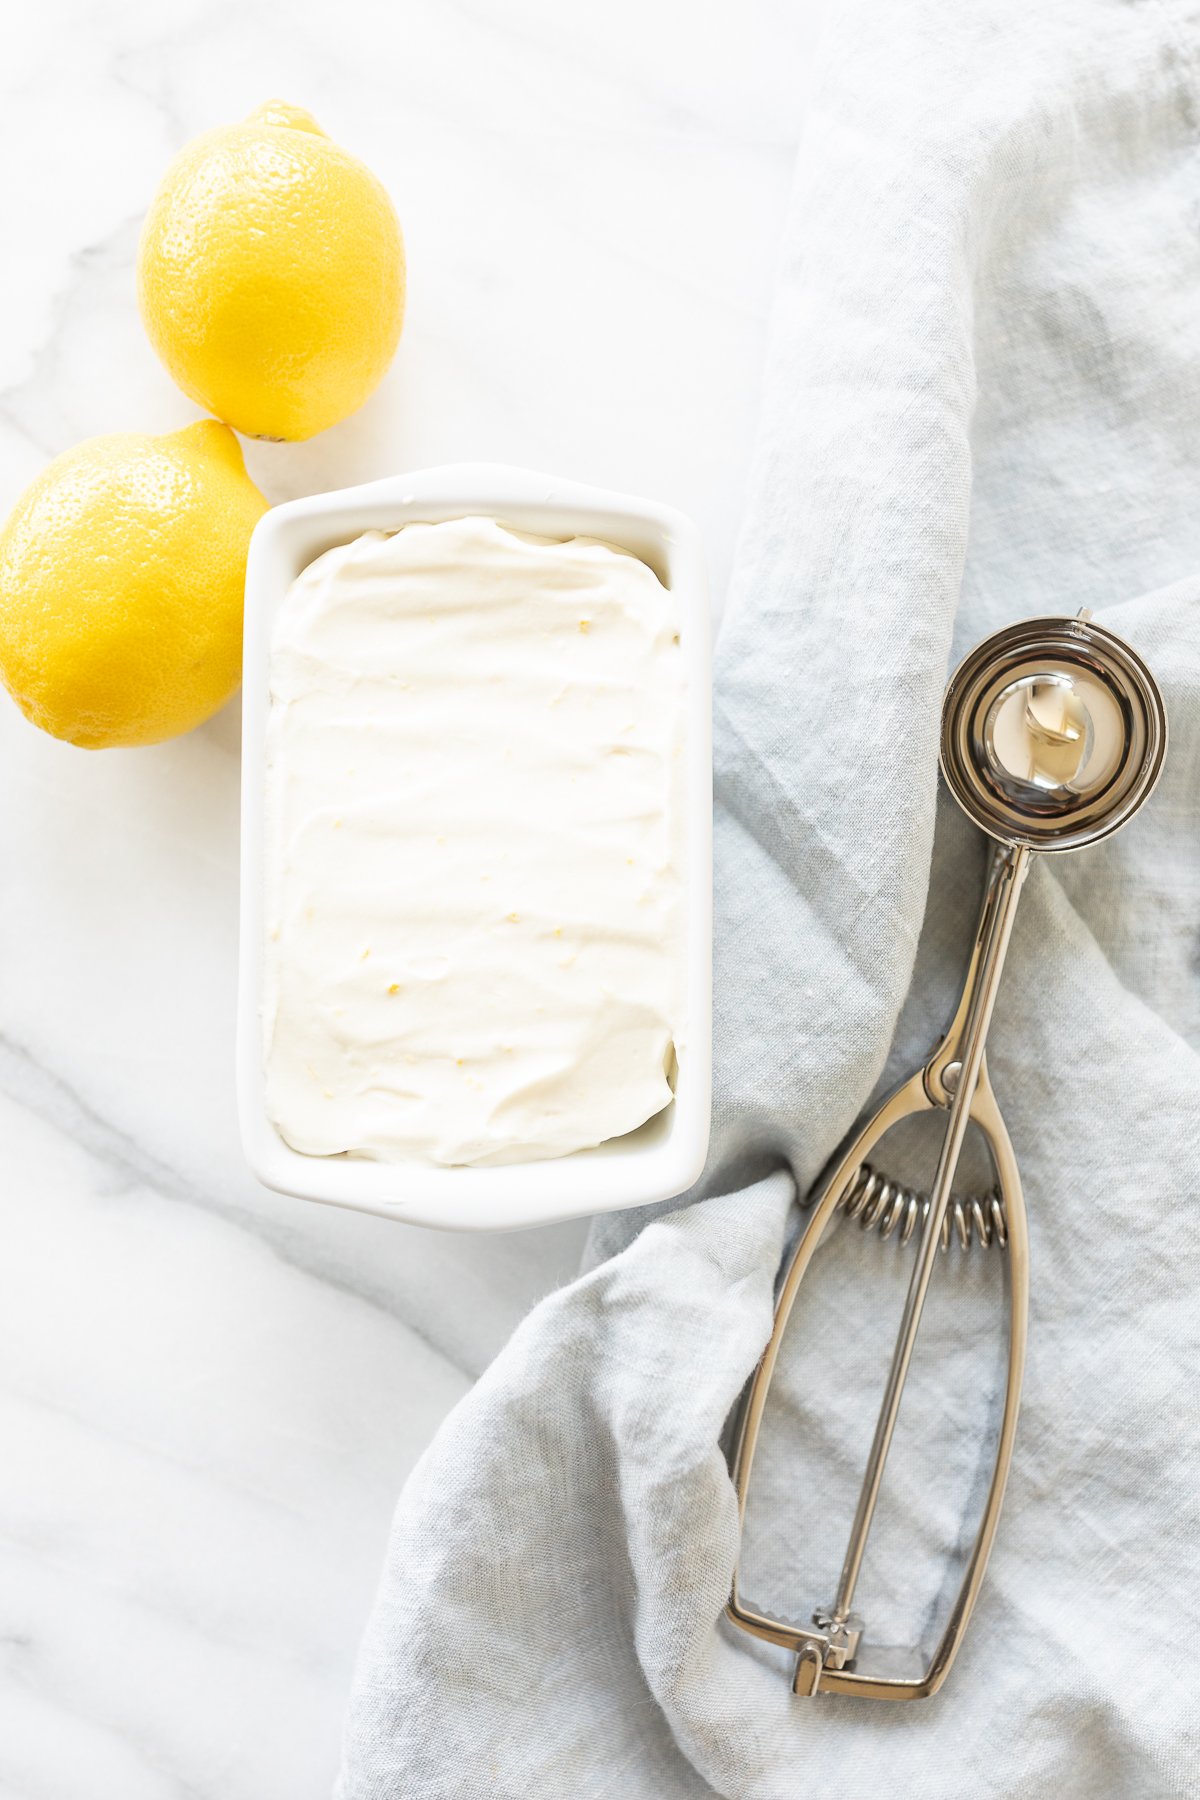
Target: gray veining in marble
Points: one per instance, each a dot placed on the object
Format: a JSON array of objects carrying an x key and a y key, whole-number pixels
[{"x": 210, "y": 1395}]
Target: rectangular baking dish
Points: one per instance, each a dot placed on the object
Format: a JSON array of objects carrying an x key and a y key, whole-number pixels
[{"x": 666, "y": 1155}]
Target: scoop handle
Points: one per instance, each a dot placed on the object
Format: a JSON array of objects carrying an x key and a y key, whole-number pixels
[{"x": 956, "y": 1066}]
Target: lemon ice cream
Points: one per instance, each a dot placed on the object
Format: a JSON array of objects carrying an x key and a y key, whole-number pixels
[{"x": 474, "y": 825}]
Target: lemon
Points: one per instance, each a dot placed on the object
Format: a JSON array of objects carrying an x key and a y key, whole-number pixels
[
  {"x": 271, "y": 275},
  {"x": 122, "y": 569}
]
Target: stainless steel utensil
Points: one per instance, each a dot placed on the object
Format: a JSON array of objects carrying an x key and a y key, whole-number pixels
[{"x": 1053, "y": 734}]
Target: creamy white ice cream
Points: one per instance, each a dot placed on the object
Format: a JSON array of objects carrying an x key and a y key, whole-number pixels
[{"x": 474, "y": 841}]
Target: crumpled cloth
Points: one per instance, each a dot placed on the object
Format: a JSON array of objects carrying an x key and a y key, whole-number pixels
[{"x": 982, "y": 402}]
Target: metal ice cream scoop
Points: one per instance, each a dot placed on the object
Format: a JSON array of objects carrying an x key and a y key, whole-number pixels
[{"x": 1053, "y": 734}]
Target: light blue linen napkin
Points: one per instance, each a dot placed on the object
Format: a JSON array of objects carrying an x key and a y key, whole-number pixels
[{"x": 983, "y": 402}]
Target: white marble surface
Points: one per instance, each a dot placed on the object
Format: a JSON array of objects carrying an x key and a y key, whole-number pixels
[{"x": 211, "y": 1395}]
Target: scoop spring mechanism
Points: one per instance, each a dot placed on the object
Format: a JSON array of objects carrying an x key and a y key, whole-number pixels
[{"x": 886, "y": 1207}]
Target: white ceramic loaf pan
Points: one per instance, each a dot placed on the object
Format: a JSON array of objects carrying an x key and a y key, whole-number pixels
[{"x": 666, "y": 1155}]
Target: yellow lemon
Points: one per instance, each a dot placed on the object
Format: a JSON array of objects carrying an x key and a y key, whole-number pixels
[
  {"x": 271, "y": 275},
  {"x": 122, "y": 570}
]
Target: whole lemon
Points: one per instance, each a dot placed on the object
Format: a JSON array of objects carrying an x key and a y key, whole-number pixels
[
  {"x": 122, "y": 568},
  {"x": 271, "y": 275}
]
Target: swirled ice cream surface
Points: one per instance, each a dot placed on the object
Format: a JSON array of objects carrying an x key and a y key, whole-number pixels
[{"x": 474, "y": 847}]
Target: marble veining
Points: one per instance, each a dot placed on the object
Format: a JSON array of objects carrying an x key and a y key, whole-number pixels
[{"x": 209, "y": 1395}]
